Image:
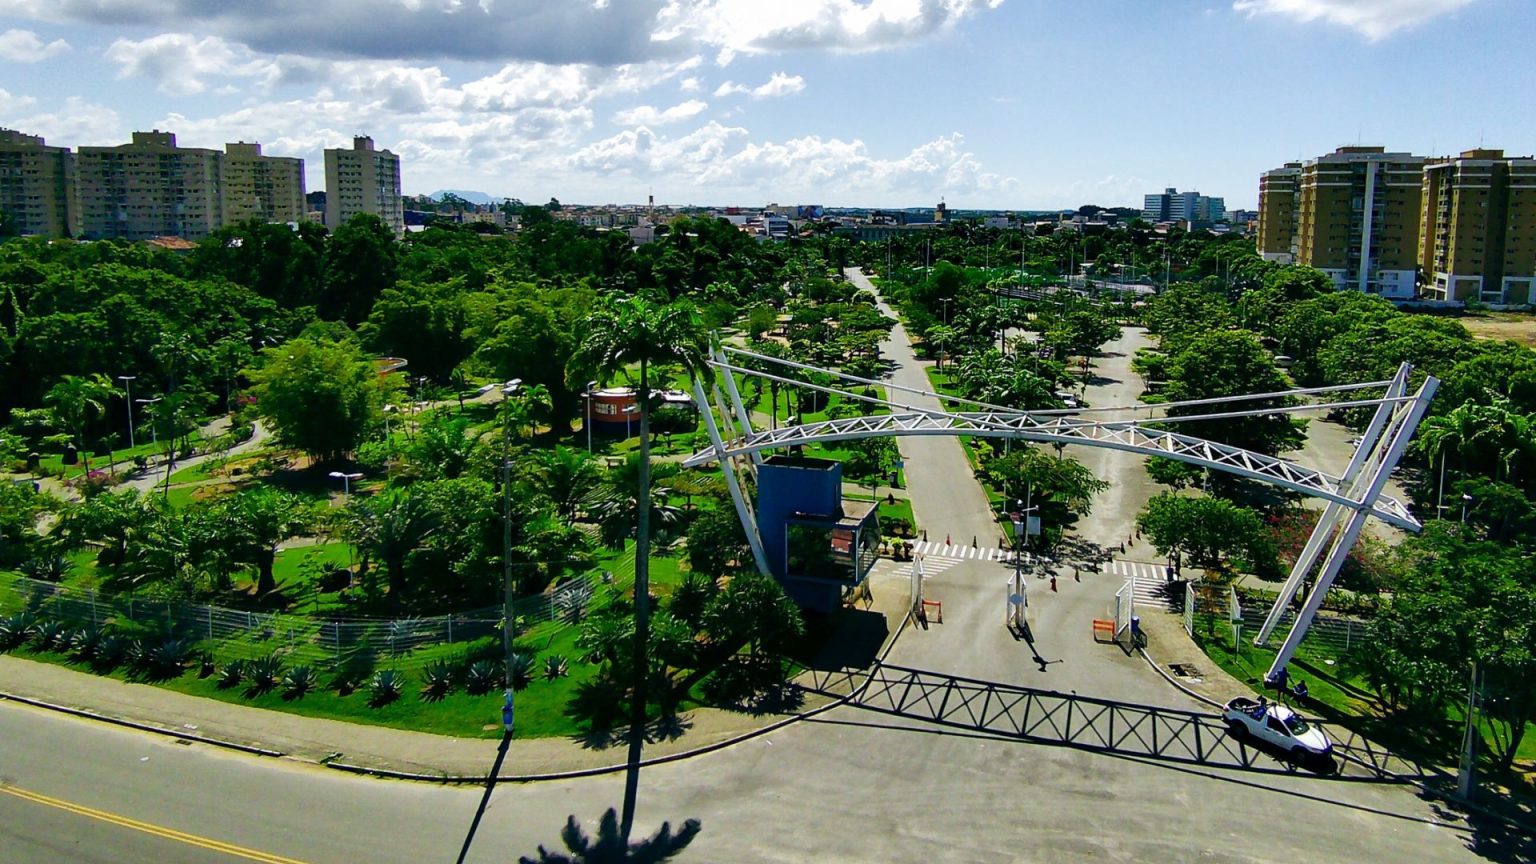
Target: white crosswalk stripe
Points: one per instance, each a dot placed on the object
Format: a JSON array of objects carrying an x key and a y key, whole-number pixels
[{"x": 1150, "y": 579}]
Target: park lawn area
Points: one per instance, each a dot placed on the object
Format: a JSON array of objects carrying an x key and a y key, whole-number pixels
[
  {"x": 1337, "y": 691},
  {"x": 53, "y": 463}
]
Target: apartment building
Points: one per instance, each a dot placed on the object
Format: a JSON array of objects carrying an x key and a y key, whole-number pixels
[
  {"x": 1477, "y": 232},
  {"x": 148, "y": 188},
  {"x": 363, "y": 180},
  {"x": 1355, "y": 217},
  {"x": 253, "y": 186},
  {"x": 36, "y": 185},
  {"x": 1277, "y": 213}
]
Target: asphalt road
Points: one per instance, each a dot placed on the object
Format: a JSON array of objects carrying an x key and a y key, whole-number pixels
[{"x": 879, "y": 783}]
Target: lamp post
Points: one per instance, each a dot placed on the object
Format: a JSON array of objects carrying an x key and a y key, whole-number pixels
[
  {"x": 154, "y": 435},
  {"x": 945, "y": 301},
  {"x": 128, "y": 386},
  {"x": 1465, "y": 500},
  {"x": 587, "y": 421},
  {"x": 346, "y": 481}
]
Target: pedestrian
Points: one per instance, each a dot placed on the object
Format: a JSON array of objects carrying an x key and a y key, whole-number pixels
[
  {"x": 1168, "y": 573},
  {"x": 1300, "y": 691},
  {"x": 1282, "y": 680}
]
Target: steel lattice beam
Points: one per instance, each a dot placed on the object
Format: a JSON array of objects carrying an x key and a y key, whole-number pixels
[{"x": 1119, "y": 435}]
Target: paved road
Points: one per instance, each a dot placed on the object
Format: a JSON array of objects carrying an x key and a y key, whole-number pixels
[{"x": 883, "y": 783}]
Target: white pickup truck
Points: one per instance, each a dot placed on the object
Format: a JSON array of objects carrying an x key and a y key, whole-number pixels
[{"x": 1278, "y": 726}]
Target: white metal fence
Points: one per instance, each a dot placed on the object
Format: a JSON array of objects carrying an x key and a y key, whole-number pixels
[{"x": 235, "y": 633}]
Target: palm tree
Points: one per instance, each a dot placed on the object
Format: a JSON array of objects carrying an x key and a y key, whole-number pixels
[
  {"x": 622, "y": 332},
  {"x": 263, "y": 517},
  {"x": 390, "y": 526},
  {"x": 566, "y": 476},
  {"x": 1462, "y": 429},
  {"x": 611, "y": 847},
  {"x": 78, "y": 399}
]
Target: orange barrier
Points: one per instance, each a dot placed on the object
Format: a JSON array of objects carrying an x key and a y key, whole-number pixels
[
  {"x": 937, "y": 604},
  {"x": 1103, "y": 627}
]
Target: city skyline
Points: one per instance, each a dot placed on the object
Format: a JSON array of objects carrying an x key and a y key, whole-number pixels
[{"x": 842, "y": 103}]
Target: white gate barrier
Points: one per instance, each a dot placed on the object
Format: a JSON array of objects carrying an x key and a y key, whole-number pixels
[{"x": 1125, "y": 608}]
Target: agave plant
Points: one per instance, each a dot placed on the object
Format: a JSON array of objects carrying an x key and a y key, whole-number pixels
[
  {"x": 265, "y": 673},
  {"x": 50, "y": 634},
  {"x": 436, "y": 681},
  {"x": 83, "y": 642},
  {"x": 556, "y": 666},
  {"x": 522, "y": 670},
  {"x": 167, "y": 659},
  {"x": 232, "y": 674},
  {"x": 136, "y": 653},
  {"x": 384, "y": 688},
  {"x": 15, "y": 631},
  {"x": 110, "y": 649},
  {"x": 482, "y": 677},
  {"x": 206, "y": 665},
  {"x": 299, "y": 680}
]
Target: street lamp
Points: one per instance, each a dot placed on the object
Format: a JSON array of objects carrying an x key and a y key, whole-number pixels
[
  {"x": 945, "y": 301},
  {"x": 1465, "y": 500},
  {"x": 128, "y": 385},
  {"x": 346, "y": 480},
  {"x": 587, "y": 421},
  {"x": 154, "y": 437}
]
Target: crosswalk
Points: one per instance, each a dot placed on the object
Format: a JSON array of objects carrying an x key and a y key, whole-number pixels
[
  {"x": 1150, "y": 580},
  {"x": 959, "y": 552}
]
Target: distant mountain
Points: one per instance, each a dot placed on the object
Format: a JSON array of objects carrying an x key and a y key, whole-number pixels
[{"x": 471, "y": 197}]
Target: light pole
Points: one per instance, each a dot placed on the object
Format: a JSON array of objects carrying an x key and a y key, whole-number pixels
[
  {"x": 346, "y": 481},
  {"x": 128, "y": 386},
  {"x": 154, "y": 435},
  {"x": 945, "y": 301},
  {"x": 1465, "y": 500},
  {"x": 587, "y": 421}
]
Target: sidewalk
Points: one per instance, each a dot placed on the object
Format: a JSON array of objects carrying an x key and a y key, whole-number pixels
[{"x": 379, "y": 748}]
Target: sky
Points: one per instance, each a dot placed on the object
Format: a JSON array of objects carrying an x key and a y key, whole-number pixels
[{"x": 984, "y": 104}]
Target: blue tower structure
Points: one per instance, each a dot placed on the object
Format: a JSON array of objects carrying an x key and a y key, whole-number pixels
[{"x": 817, "y": 545}]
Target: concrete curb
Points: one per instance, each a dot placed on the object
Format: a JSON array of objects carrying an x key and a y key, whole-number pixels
[
  {"x": 142, "y": 727},
  {"x": 413, "y": 776}
]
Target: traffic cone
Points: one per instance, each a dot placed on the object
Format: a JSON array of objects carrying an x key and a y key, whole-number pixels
[{"x": 946, "y": 540}]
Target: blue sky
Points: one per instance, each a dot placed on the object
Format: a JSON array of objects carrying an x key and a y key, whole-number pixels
[{"x": 1027, "y": 104}]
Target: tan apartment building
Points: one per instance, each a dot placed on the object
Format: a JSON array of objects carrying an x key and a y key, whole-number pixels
[
  {"x": 37, "y": 185},
  {"x": 268, "y": 188},
  {"x": 1354, "y": 214},
  {"x": 1278, "y": 190},
  {"x": 363, "y": 180},
  {"x": 1477, "y": 233},
  {"x": 148, "y": 188}
]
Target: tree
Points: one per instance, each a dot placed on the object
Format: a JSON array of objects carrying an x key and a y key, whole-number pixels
[
  {"x": 259, "y": 519},
  {"x": 321, "y": 397},
  {"x": 359, "y": 266},
  {"x": 1208, "y": 532},
  {"x": 716, "y": 543},
  {"x": 611, "y": 846},
  {"x": 872, "y": 459},
  {"x": 566, "y": 477},
  {"x": 1226, "y": 364},
  {"x": 1046, "y": 478},
  {"x": 621, "y": 333},
  {"x": 19, "y": 510},
  {"x": 425, "y": 324},
  {"x": 78, "y": 399},
  {"x": 390, "y": 526}
]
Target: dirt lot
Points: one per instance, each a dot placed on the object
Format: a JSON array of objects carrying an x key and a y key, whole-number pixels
[{"x": 1519, "y": 326}]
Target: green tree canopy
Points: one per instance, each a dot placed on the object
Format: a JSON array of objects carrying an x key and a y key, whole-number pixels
[{"x": 321, "y": 397}]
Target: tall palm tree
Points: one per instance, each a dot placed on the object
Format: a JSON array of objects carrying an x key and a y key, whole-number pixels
[
  {"x": 1461, "y": 430},
  {"x": 389, "y": 527},
  {"x": 621, "y": 333}
]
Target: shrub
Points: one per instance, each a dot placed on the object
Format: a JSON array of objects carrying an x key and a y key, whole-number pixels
[
  {"x": 522, "y": 670},
  {"x": 384, "y": 688},
  {"x": 83, "y": 642},
  {"x": 298, "y": 681},
  {"x": 232, "y": 674},
  {"x": 110, "y": 650},
  {"x": 437, "y": 681},
  {"x": 265, "y": 673},
  {"x": 168, "y": 659},
  {"x": 49, "y": 634},
  {"x": 556, "y": 666},
  {"x": 15, "y": 631},
  {"x": 205, "y": 665},
  {"x": 482, "y": 677}
]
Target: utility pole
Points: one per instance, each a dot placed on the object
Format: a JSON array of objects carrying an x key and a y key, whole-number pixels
[{"x": 508, "y": 712}]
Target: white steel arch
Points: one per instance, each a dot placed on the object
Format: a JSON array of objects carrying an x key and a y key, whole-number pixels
[{"x": 1351, "y": 497}]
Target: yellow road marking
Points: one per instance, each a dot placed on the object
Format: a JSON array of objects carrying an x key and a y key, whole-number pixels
[{"x": 147, "y": 828}]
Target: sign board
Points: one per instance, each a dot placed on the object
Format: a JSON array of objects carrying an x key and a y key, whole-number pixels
[{"x": 1034, "y": 526}]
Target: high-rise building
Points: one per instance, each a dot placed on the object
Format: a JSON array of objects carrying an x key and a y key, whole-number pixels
[
  {"x": 1171, "y": 205},
  {"x": 363, "y": 180},
  {"x": 1277, "y": 213},
  {"x": 36, "y": 185},
  {"x": 1355, "y": 217},
  {"x": 149, "y": 188},
  {"x": 1477, "y": 233},
  {"x": 269, "y": 188}
]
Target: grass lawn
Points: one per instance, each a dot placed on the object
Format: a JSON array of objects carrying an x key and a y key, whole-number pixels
[
  {"x": 1338, "y": 694},
  {"x": 53, "y": 463}
]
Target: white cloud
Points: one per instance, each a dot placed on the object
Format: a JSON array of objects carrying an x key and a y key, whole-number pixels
[
  {"x": 10, "y": 104},
  {"x": 24, "y": 46},
  {"x": 690, "y": 85},
  {"x": 599, "y": 32},
  {"x": 649, "y": 115},
  {"x": 779, "y": 84},
  {"x": 1375, "y": 19},
  {"x": 179, "y": 62},
  {"x": 76, "y": 122}
]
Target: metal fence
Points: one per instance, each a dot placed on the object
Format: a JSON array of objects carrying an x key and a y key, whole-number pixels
[
  {"x": 236, "y": 634},
  {"x": 1332, "y": 632}
]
